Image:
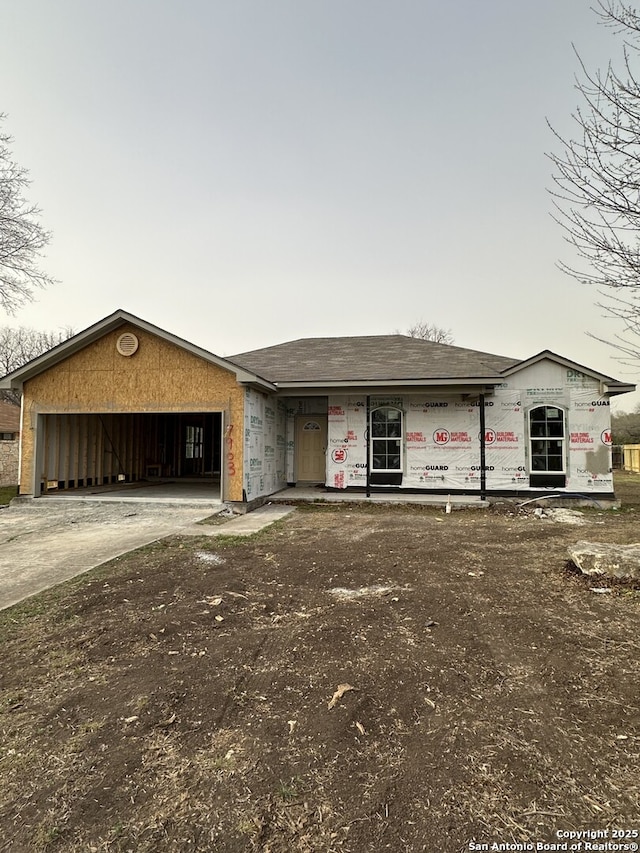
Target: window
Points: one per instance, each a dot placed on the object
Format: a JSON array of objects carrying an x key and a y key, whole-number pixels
[
  {"x": 547, "y": 446},
  {"x": 7, "y": 436},
  {"x": 386, "y": 441},
  {"x": 194, "y": 442}
]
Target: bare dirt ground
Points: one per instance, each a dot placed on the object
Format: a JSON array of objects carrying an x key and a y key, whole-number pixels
[{"x": 178, "y": 698}]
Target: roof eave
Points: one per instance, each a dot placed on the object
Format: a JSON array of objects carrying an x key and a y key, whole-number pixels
[
  {"x": 612, "y": 389},
  {"x": 256, "y": 382},
  {"x": 347, "y": 384}
]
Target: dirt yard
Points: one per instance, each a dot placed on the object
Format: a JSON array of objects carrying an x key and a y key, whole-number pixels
[{"x": 352, "y": 679}]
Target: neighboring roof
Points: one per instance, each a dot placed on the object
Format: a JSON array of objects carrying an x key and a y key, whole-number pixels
[
  {"x": 108, "y": 324},
  {"x": 373, "y": 358},
  {"x": 9, "y": 417}
]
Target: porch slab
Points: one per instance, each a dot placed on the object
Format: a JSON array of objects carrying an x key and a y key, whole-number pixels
[{"x": 315, "y": 494}]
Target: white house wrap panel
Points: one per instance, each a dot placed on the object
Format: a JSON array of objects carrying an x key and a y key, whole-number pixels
[
  {"x": 346, "y": 447},
  {"x": 264, "y": 444}
]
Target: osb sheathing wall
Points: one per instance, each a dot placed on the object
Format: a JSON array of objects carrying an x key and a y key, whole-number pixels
[{"x": 159, "y": 377}]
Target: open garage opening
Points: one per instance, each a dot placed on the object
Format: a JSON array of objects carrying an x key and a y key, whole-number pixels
[{"x": 105, "y": 450}]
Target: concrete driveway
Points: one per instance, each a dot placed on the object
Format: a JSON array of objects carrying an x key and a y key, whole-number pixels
[{"x": 43, "y": 542}]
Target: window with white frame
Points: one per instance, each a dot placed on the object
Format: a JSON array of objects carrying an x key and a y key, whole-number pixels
[
  {"x": 547, "y": 453},
  {"x": 194, "y": 442},
  {"x": 386, "y": 440}
]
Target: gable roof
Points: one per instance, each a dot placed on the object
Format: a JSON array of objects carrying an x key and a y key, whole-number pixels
[
  {"x": 613, "y": 386},
  {"x": 372, "y": 358},
  {"x": 326, "y": 362},
  {"x": 395, "y": 360},
  {"x": 114, "y": 321}
]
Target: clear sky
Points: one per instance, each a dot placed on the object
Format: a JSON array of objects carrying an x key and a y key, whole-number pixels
[{"x": 247, "y": 172}]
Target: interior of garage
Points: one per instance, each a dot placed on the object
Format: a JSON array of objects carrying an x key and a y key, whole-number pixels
[{"x": 76, "y": 451}]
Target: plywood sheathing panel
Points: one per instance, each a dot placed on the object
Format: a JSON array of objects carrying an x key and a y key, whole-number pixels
[{"x": 159, "y": 377}]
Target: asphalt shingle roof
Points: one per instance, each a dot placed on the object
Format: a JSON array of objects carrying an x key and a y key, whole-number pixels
[{"x": 371, "y": 358}]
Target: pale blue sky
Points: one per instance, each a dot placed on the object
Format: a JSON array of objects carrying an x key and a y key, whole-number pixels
[{"x": 247, "y": 172}]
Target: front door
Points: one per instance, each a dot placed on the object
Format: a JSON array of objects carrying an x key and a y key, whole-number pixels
[{"x": 311, "y": 448}]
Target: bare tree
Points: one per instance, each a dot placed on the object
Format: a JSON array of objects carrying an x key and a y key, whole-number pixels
[
  {"x": 625, "y": 427},
  {"x": 430, "y": 332},
  {"x": 597, "y": 180},
  {"x": 22, "y": 238},
  {"x": 18, "y": 345}
]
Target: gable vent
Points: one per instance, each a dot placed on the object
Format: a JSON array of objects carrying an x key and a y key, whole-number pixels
[{"x": 127, "y": 344}]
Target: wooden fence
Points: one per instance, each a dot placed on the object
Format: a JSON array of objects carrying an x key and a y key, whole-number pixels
[{"x": 631, "y": 457}]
